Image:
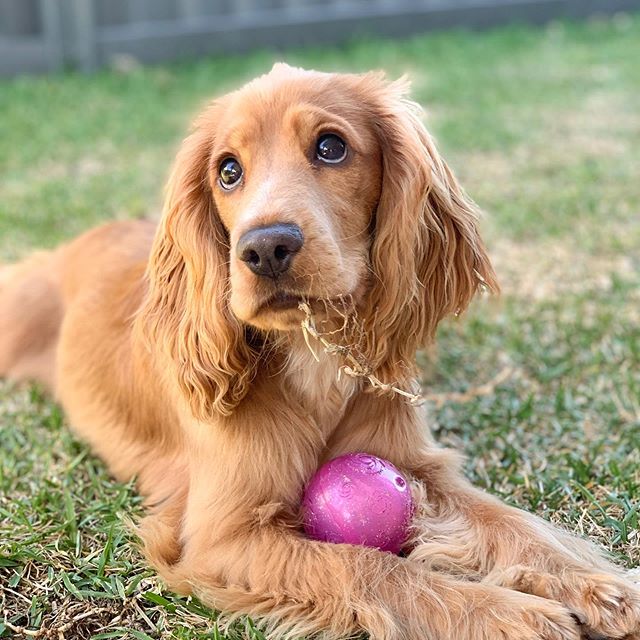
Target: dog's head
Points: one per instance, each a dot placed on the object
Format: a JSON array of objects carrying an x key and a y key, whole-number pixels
[{"x": 306, "y": 186}]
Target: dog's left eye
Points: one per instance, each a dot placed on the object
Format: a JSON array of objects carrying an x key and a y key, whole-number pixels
[
  {"x": 331, "y": 148},
  {"x": 230, "y": 173}
]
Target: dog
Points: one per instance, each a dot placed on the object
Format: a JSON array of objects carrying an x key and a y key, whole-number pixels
[{"x": 177, "y": 353}]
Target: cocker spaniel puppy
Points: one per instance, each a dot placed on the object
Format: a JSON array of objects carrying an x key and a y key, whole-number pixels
[{"x": 177, "y": 353}]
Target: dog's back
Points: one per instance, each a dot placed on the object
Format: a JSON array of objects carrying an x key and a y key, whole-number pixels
[
  {"x": 34, "y": 294},
  {"x": 31, "y": 311}
]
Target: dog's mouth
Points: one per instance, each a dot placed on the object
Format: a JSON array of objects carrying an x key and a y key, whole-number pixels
[
  {"x": 281, "y": 310},
  {"x": 282, "y": 301},
  {"x": 286, "y": 309},
  {"x": 287, "y": 301}
]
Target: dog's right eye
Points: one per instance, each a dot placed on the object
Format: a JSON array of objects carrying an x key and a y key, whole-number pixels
[{"x": 230, "y": 173}]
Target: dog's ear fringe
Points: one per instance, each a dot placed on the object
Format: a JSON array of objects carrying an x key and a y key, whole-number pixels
[
  {"x": 186, "y": 312},
  {"x": 427, "y": 254}
]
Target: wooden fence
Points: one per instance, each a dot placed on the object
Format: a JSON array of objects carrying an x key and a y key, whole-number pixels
[{"x": 46, "y": 35}]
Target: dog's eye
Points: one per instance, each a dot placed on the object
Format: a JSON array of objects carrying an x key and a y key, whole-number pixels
[
  {"x": 331, "y": 148},
  {"x": 230, "y": 173}
]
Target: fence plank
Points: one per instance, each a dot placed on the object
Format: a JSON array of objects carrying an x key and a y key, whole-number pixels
[
  {"x": 22, "y": 55},
  {"x": 110, "y": 12},
  {"x": 138, "y": 10},
  {"x": 152, "y": 10},
  {"x": 85, "y": 34},
  {"x": 191, "y": 9},
  {"x": 19, "y": 18},
  {"x": 52, "y": 33}
]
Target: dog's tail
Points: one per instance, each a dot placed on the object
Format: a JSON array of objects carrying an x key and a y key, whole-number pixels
[{"x": 31, "y": 312}]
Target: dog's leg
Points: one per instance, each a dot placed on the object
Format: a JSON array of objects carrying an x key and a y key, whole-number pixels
[
  {"x": 463, "y": 530},
  {"x": 242, "y": 551}
]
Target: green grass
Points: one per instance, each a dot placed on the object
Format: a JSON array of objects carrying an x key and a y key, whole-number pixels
[{"x": 543, "y": 127}]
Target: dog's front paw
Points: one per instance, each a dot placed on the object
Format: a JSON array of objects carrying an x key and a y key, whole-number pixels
[
  {"x": 610, "y": 604},
  {"x": 529, "y": 618},
  {"x": 605, "y": 604},
  {"x": 487, "y": 612}
]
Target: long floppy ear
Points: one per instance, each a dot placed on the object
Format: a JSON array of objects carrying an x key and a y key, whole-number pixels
[
  {"x": 186, "y": 312},
  {"x": 427, "y": 254}
]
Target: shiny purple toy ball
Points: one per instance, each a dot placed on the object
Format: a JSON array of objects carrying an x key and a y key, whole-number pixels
[{"x": 358, "y": 499}]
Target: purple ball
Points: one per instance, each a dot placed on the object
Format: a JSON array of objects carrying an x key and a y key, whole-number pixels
[{"x": 358, "y": 499}]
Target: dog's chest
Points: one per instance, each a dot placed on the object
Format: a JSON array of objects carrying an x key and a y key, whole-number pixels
[{"x": 320, "y": 386}]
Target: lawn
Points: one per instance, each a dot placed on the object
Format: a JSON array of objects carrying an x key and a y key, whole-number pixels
[{"x": 541, "y": 388}]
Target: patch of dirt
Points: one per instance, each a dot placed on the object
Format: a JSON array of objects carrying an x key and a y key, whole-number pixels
[{"x": 553, "y": 268}]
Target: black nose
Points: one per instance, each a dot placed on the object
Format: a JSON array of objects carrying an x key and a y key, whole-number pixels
[{"x": 268, "y": 250}]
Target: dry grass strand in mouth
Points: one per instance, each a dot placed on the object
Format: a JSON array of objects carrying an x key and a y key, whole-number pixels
[{"x": 356, "y": 365}]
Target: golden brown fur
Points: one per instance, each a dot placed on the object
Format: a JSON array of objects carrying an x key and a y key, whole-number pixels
[{"x": 170, "y": 360}]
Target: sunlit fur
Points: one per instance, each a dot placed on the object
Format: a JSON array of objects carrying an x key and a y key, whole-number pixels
[{"x": 165, "y": 352}]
